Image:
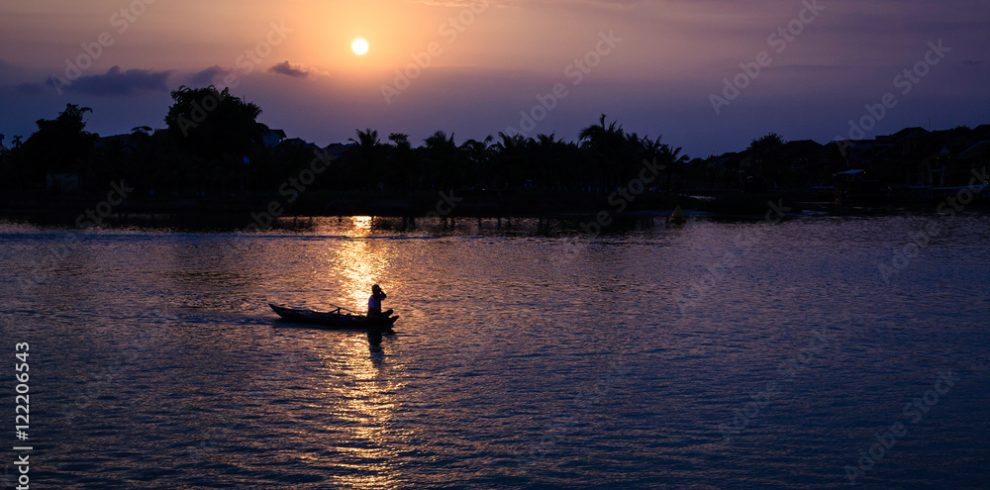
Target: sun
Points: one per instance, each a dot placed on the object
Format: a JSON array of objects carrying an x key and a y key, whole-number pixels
[{"x": 360, "y": 46}]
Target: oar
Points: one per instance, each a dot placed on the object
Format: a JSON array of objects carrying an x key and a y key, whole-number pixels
[{"x": 345, "y": 309}]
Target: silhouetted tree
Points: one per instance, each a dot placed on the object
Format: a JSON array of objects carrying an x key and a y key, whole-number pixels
[
  {"x": 367, "y": 140},
  {"x": 445, "y": 168},
  {"x": 369, "y": 163},
  {"x": 606, "y": 143},
  {"x": 403, "y": 169},
  {"x": 219, "y": 131},
  {"x": 214, "y": 142},
  {"x": 511, "y": 161},
  {"x": 400, "y": 140},
  {"x": 59, "y": 145},
  {"x": 477, "y": 155},
  {"x": 766, "y": 155}
]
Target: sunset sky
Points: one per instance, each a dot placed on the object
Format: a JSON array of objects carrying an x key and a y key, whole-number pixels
[{"x": 472, "y": 68}]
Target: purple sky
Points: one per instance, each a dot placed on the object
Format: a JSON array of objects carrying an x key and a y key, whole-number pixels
[{"x": 473, "y": 68}]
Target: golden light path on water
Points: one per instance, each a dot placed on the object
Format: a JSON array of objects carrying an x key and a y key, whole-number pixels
[
  {"x": 365, "y": 400},
  {"x": 365, "y": 263}
]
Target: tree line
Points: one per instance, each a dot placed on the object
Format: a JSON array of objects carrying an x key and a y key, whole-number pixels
[{"x": 214, "y": 142}]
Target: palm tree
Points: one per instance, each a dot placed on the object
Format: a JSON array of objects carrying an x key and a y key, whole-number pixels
[
  {"x": 367, "y": 140},
  {"x": 478, "y": 154},
  {"x": 673, "y": 159},
  {"x": 402, "y": 165},
  {"x": 546, "y": 140},
  {"x": 655, "y": 151},
  {"x": 551, "y": 165},
  {"x": 400, "y": 140},
  {"x": 510, "y": 143},
  {"x": 601, "y": 133},
  {"x": 606, "y": 142},
  {"x": 513, "y": 157},
  {"x": 442, "y": 157},
  {"x": 368, "y": 157},
  {"x": 669, "y": 157},
  {"x": 440, "y": 142}
]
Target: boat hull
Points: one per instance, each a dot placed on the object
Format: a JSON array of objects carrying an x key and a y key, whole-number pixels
[{"x": 331, "y": 320}]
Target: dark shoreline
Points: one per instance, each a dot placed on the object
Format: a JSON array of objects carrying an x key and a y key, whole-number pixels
[{"x": 234, "y": 211}]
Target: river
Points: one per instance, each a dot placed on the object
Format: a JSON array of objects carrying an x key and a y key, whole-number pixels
[{"x": 814, "y": 353}]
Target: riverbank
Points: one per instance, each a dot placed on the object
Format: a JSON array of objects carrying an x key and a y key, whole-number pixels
[{"x": 261, "y": 210}]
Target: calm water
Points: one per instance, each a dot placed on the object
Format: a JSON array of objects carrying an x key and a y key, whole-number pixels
[{"x": 717, "y": 356}]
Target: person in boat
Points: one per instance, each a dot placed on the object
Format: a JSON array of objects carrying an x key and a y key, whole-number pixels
[
  {"x": 375, "y": 303},
  {"x": 677, "y": 217}
]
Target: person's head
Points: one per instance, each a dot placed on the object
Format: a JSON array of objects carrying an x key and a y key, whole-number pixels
[{"x": 376, "y": 289}]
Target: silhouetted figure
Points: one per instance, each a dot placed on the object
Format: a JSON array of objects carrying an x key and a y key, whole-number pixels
[
  {"x": 375, "y": 303},
  {"x": 375, "y": 312}
]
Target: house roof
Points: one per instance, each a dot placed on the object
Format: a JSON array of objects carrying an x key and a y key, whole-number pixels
[
  {"x": 910, "y": 133},
  {"x": 979, "y": 150}
]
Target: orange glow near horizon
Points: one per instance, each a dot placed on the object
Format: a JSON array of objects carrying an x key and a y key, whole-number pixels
[
  {"x": 475, "y": 68},
  {"x": 381, "y": 35}
]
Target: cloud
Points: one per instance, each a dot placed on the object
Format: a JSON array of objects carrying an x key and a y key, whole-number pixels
[
  {"x": 208, "y": 76},
  {"x": 118, "y": 82},
  {"x": 287, "y": 69}
]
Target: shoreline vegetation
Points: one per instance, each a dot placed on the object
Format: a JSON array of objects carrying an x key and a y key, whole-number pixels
[{"x": 215, "y": 164}]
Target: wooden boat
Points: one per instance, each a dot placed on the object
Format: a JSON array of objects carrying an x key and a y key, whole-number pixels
[{"x": 331, "y": 319}]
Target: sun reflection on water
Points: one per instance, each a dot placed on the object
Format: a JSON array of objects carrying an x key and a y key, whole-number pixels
[
  {"x": 343, "y": 271},
  {"x": 366, "y": 264},
  {"x": 362, "y": 224},
  {"x": 366, "y": 401}
]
